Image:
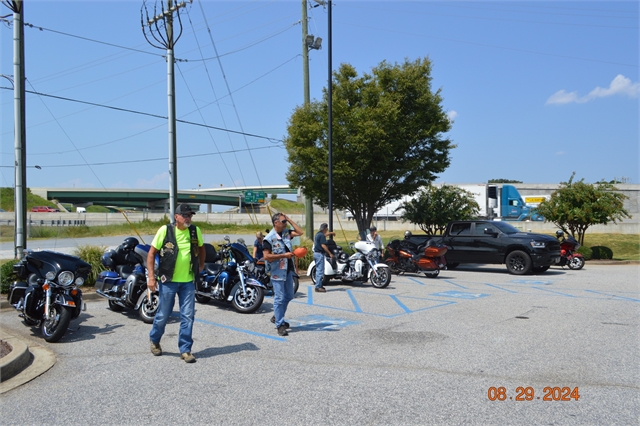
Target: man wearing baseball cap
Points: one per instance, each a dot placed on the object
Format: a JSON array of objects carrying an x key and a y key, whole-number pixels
[{"x": 180, "y": 247}]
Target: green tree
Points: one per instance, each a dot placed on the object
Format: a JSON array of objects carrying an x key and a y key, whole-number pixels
[
  {"x": 575, "y": 206},
  {"x": 435, "y": 207},
  {"x": 387, "y": 140}
]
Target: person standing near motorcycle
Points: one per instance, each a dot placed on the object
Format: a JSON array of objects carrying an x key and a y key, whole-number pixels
[
  {"x": 374, "y": 237},
  {"x": 257, "y": 246},
  {"x": 319, "y": 250},
  {"x": 181, "y": 249},
  {"x": 278, "y": 254}
]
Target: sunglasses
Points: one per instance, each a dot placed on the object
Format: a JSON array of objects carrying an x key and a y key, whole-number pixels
[
  {"x": 283, "y": 221},
  {"x": 186, "y": 215}
]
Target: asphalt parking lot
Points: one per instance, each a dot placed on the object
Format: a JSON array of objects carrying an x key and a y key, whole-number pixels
[{"x": 462, "y": 348}]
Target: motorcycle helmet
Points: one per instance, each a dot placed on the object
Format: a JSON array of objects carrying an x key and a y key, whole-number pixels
[
  {"x": 130, "y": 243},
  {"x": 559, "y": 233},
  {"x": 107, "y": 259},
  {"x": 407, "y": 235}
]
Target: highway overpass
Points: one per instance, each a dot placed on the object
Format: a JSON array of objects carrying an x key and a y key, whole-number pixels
[{"x": 154, "y": 199}]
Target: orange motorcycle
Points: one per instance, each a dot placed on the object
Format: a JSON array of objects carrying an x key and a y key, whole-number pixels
[{"x": 427, "y": 258}]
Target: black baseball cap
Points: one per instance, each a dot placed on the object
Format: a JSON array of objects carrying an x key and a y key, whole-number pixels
[{"x": 184, "y": 209}]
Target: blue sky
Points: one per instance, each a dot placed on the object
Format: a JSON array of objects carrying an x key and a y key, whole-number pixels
[{"x": 536, "y": 90}]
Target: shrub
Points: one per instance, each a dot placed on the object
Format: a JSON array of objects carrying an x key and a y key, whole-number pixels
[
  {"x": 6, "y": 275},
  {"x": 92, "y": 255},
  {"x": 601, "y": 252},
  {"x": 586, "y": 252}
]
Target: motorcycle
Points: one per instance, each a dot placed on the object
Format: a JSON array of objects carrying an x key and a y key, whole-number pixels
[
  {"x": 568, "y": 256},
  {"x": 47, "y": 294},
  {"x": 227, "y": 277},
  {"x": 361, "y": 266},
  {"x": 427, "y": 258},
  {"x": 261, "y": 275},
  {"x": 124, "y": 285}
]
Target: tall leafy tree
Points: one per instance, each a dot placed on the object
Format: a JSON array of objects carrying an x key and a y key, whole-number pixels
[
  {"x": 575, "y": 206},
  {"x": 436, "y": 206},
  {"x": 388, "y": 138}
]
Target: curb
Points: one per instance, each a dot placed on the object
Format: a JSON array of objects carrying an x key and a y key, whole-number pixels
[
  {"x": 24, "y": 363},
  {"x": 16, "y": 361}
]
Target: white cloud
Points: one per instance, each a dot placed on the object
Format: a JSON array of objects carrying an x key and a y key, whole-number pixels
[
  {"x": 452, "y": 115},
  {"x": 562, "y": 97},
  {"x": 620, "y": 85}
]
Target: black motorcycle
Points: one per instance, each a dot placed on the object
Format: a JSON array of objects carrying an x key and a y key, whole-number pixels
[
  {"x": 47, "y": 293},
  {"x": 227, "y": 277},
  {"x": 125, "y": 283}
]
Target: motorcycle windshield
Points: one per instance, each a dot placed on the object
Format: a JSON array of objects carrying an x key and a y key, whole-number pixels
[
  {"x": 240, "y": 253},
  {"x": 51, "y": 261}
]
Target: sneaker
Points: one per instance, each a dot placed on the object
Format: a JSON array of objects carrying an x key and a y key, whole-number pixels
[
  {"x": 282, "y": 330},
  {"x": 156, "y": 349},
  {"x": 273, "y": 321},
  {"x": 188, "y": 358},
  {"x": 321, "y": 290}
]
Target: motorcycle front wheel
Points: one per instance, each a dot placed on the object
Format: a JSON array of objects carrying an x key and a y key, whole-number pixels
[
  {"x": 53, "y": 328},
  {"x": 148, "y": 308},
  {"x": 249, "y": 302},
  {"x": 576, "y": 263},
  {"x": 382, "y": 278}
]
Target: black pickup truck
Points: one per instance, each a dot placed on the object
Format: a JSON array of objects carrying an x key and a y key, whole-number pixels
[{"x": 483, "y": 241}]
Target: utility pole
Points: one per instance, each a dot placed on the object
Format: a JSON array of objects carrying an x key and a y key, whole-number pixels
[
  {"x": 20, "y": 127},
  {"x": 159, "y": 28},
  {"x": 330, "y": 107},
  {"x": 308, "y": 42}
]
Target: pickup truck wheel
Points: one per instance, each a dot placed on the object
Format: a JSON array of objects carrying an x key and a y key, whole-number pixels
[{"x": 518, "y": 262}]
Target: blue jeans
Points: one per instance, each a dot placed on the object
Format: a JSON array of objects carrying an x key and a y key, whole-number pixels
[
  {"x": 282, "y": 295},
  {"x": 319, "y": 259},
  {"x": 186, "y": 299}
]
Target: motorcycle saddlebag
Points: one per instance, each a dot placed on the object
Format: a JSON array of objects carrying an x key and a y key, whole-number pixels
[
  {"x": 106, "y": 280},
  {"x": 434, "y": 251},
  {"x": 33, "y": 296},
  {"x": 427, "y": 264},
  {"x": 16, "y": 292}
]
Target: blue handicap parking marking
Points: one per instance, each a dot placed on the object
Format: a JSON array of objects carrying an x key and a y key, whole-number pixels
[
  {"x": 460, "y": 294},
  {"x": 375, "y": 303},
  {"x": 320, "y": 323}
]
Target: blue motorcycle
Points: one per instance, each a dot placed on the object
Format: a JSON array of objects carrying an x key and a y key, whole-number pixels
[
  {"x": 228, "y": 277},
  {"x": 125, "y": 283}
]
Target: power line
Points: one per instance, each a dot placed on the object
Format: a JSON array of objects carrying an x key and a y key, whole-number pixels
[
  {"x": 147, "y": 160},
  {"x": 146, "y": 114}
]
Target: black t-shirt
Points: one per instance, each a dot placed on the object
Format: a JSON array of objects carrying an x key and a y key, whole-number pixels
[{"x": 266, "y": 245}]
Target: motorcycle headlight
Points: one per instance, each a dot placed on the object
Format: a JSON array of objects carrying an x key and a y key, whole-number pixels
[
  {"x": 79, "y": 281},
  {"x": 249, "y": 266},
  {"x": 50, "y": 275},
  {"x": 538, "y": 244},
  {"x": 65, "y": 278}
]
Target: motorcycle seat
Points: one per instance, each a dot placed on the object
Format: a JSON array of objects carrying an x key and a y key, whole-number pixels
[
  {"x": 212, "y": 268},
  {"x": 124, "y": 270}
]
